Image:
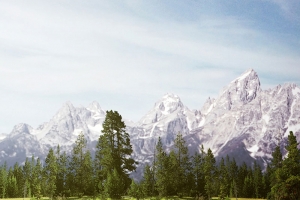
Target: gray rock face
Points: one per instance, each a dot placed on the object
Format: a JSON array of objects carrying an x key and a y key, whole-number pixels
[
  {"x": 63, "y": 129},
  {"x": 244, "y": 121}
]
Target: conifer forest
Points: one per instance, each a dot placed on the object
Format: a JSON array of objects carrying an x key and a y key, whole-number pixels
[{"x": 176, "y": 173}]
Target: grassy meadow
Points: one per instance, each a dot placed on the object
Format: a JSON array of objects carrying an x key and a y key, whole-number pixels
[{"x": 129, "y": 198}]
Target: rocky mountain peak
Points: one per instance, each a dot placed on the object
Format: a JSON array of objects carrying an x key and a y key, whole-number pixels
[
  {"x": 94, "y": 106},
  {"x": 241, "y": 90},
  {"x": 246, "y": 86},
  {"x": 169, "y": 103},
  {"x": 21, "y": 128},
  {"x": 66, "y": 110}
]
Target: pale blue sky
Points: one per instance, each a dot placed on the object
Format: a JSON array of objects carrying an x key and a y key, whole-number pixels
[{"x": 127, "y": 54}]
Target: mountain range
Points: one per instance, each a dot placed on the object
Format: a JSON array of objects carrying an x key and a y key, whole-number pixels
[{"x": 244, "y": 122}]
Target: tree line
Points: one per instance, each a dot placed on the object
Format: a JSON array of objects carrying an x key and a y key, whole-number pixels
[
  {"x": 177, "y": 173},
  {"x": 76, "y": 174},
  {"x": 172, "y": 173}
]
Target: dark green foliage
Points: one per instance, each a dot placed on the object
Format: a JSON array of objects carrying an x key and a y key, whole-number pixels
[
  {"x": 210, "y": 173},
  {"x": 114, "y": 185},
  {"x": 113, "y": 153},
  {"x": 37, "y": 179},
  {"x": 3, "y": 181},
  {"x": 49, "y": 174},
  {"x": 171, "y": 174},
  {"x": 198, "y": 172},
  {"x": 81, "y": 171},
  {"x": 12, "y": 187},
  {"x": 161, "y": 169},
  {"x": 182, "y": 167},
  {"x": 257, "y": 180},
  {"x": 27, "y": 170},
  {"x": 242, "y": 174},
  {"x": 135, "y": 190},
  {"x": 62, "y": 173},
  {"x": 286, "y": 176},
  {"x": 223, "y": 177},
  {"x": 147, "y": 183},
  {"x": 17, "y": 171}
]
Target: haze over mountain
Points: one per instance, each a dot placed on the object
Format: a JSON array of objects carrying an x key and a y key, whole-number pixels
[{"x": 243, "y": 121}]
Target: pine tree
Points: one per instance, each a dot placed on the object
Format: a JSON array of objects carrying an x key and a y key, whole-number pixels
[
  {"x": 114, "y": 151},
  {"x": 88, "y": 181},
  {"x": 37, "y": 179},
  {"x": 27, "y": 171},
  {"x": 183, "y": 165},
  {"x": 18, "y": 173},
  {"x": 62, "y": 167},
  {"x": 173, "y": 179},
  {"x": 242, "y": 174},
  {"x": 81, "y": 172},
  {"x": 257, "y": 180},
  {"x": 147, "y": 182},
  {"x": 3, "y": 180},
  {"x": 233, "y": 172},
  {"x": 12, "y": 187},
  {"x": 223, "y": 177},
  {"x": 198, "y": 172},
  {"x": 287, "y": 177},
  {"x": 209, "y": 170},
  {"x": 161, "y": 177},
  {"x": 248, "y": 186},
  {"x": 135, "y": 190},
  {"x": 50, "y": 173},
  {"x": 113, "y": 186}
]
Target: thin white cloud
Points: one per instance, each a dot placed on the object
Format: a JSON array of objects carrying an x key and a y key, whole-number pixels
[{"x": 52, "y": 51}]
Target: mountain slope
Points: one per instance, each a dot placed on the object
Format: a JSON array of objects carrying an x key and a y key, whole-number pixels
[{"x": 243, "y": 121}]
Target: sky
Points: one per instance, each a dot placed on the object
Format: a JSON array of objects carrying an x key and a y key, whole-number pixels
[{"x": 127, "y": 54}]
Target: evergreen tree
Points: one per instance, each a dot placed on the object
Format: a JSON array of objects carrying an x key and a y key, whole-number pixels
[
  {"x": 81, "y": 166},
  {"x": 209, "y": 170},
  {"x": 135, "y": 190},
  {"x": 113, "y": 186},
  {"x": 148, "y": 182},
  {"x": 61, "y": 178},
  {"x": 161, "y": 177},
  {"x": 88, "y": 181},
  {"x": 233, "y": 172},
  {"x": 18, "y": 173},
  {"x": 248, "y": 186},
  {"x": 37, "y": 179},
  {"x": 287, "y": 177},
  {"x": 198, "y": 172},
  {"x": 27, "y": 170},
  {"x": 242, "y": 174},
  {"x": 50, "y": 173},
  {"x": 257, "y": 180},
  {"x": 114, "y": 151},
  {"x": 172, "y": 180},
  {"x": 3, "y": 180},
  {"x": 12, "y": 187},
  {"x": 223, "y": 177},
  {"x": 183, "y": 165}
]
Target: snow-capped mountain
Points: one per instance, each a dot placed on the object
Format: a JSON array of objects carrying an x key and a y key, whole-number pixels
[
  {"x": 244, "y": 121},
  {"x": 63, "y": 129}
]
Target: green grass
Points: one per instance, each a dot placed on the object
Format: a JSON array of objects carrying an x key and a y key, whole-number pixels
[{"x": 130, "y": 198}]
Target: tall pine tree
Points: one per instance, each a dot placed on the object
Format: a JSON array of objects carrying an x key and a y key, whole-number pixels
[
  {"x": 210, "y": 175},
  {"x": 50, "y": 174},
  {"x": 113, "y": 152}
]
